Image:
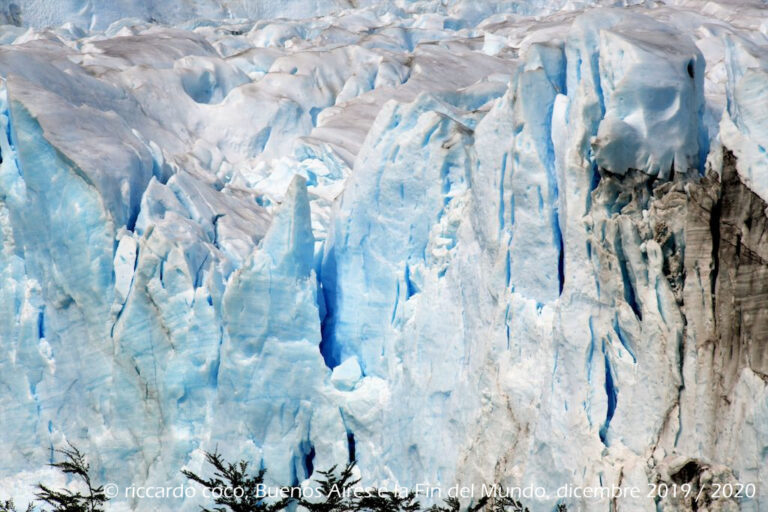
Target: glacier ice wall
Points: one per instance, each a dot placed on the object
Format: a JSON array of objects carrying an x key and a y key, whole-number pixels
[
  {"x": 454, "y": 242},
  {"x": 100, "y": 14}
]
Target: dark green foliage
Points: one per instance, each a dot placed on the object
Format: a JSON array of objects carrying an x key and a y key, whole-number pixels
[
  {"x": 336, "y": 491},
  {"x": 507, "y": 504},
  {"x": 8, "y": 506},
  {"x": 234, "y": 488},
  {"x": 386, "y": 501},
  {"x": 454, "y": 505},
  {"x": 67, "y": 501}
]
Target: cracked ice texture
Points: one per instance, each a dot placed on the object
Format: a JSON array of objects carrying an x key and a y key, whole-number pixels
[{"x": 389, "y": 230}]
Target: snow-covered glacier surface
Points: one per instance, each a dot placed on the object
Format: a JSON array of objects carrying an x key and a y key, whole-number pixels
[{"x": 460, "y": 242}]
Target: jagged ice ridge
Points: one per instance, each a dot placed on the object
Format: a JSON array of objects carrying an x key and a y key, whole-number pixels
[{"x": 461, "y": 242}]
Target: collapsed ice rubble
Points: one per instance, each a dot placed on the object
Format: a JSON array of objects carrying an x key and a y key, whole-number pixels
[{"x": 377, "y": 234}]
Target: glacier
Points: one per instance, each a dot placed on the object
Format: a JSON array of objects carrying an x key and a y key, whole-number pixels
[{"x": 459, "y": 242}]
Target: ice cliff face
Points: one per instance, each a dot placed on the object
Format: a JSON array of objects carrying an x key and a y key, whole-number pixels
[{"x": 454, "y": 242}]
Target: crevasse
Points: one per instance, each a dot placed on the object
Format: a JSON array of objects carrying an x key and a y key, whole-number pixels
[{"x": 453, "y": 242}]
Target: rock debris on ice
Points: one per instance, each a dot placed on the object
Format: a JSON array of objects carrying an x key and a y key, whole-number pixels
[{"x": 463, "y": 242}]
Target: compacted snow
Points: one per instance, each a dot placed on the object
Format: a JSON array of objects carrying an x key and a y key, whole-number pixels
[{"x": 463, "y": 242}]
